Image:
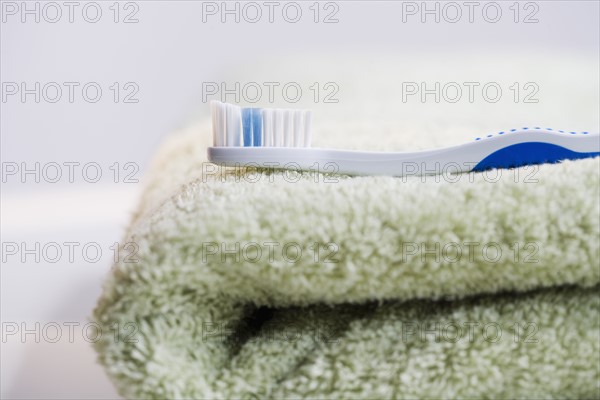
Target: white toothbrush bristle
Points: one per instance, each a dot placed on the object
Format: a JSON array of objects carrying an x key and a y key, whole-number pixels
[
  {"x": 233, "y": 126},
  {"x": 278, "y": 128},
  {"x": 307, "y": 124},
  {"x": 288, "y": 128},
  {"x": 214, "y": 109},
  {"x": 267, "y": 119}
]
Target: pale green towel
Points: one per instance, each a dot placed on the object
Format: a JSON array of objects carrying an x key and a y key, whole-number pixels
[
  {"x": 380, "y": 322},
  {"x": 355, "y": 328}
]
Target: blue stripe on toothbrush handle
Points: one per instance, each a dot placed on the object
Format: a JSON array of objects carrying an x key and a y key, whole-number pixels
[
  {"x": 531, "y": 153},
  {"x": 257, "y": 126},
  {"x": 247, "y": 126}
]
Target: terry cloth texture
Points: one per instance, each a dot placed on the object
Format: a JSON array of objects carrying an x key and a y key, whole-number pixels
[
  {"x": 300, "y": 325},
  {"x": 276, "y": 285}
]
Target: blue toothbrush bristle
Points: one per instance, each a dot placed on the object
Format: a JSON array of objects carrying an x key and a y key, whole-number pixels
[
  {"x": 252, "y": 127},
  {"x": 256, "y": 126},
  {"x": 247, "y": 126}
]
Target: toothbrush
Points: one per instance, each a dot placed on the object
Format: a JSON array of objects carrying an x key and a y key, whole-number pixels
[{"x": 281, "y": 138}]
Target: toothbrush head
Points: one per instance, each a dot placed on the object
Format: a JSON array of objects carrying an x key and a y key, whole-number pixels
[{"x": 235, "y": 126}]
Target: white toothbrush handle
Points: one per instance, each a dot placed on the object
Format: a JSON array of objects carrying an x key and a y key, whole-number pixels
[{"x": 500, "y": 151}]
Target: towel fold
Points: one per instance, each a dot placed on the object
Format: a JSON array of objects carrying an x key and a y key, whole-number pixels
[{"x": 271, "y": 284}]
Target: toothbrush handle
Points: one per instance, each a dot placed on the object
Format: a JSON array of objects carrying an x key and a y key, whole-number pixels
[{"x": 515, "y": 149}]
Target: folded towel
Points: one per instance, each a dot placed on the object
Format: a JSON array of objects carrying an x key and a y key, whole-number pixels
[
  {"x": 268, "y": 284},
  {"x": 364, "y": 301}
]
